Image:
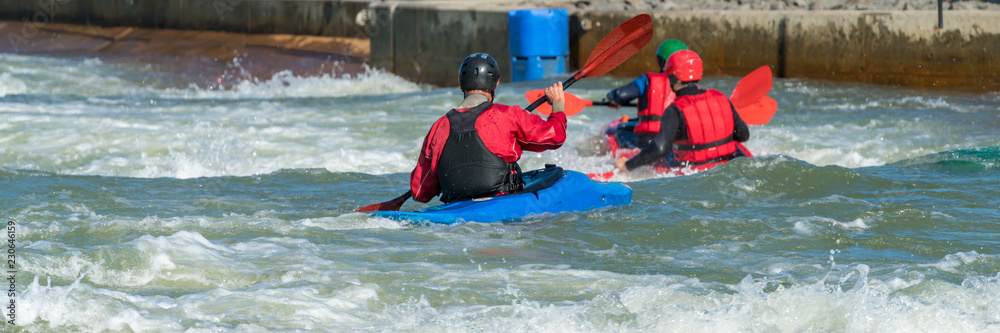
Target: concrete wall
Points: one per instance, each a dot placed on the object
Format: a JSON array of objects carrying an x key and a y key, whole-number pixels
[
  {"x": 426, "y": 45},
  {"x": 898, "y": 48},
  {"x": 425, "y": 41}
]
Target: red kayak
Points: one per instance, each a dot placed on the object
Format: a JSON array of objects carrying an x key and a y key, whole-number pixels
[{"x": 619, "y": 136}]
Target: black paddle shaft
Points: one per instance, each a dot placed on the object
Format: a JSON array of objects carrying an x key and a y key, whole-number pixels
[
  {"x": 538, "y": 102},
  {"x": 606, "y": 103}
]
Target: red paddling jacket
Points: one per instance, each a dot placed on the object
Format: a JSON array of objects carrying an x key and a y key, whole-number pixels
[{"x": 473, "y": 152}]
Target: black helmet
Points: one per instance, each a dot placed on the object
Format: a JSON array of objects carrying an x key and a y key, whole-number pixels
[{"x": 479, "y": 72}]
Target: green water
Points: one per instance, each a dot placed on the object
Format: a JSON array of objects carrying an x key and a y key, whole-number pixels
[{"x": 146, "y": 208}]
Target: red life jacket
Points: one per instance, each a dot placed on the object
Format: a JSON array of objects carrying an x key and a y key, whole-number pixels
[
  {"x": 709, "y": 121},
  {"x": 658, "y": 97}
]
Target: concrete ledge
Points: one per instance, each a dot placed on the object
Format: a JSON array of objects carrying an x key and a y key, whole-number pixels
[
  {"x": 335, "y": 18},
  {"x": 194, "y": 56},
  {"x": 426, "y": 44},
  {"x": 899, "y": 48}
]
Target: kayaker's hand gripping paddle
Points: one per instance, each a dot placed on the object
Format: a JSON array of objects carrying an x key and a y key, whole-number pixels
[{"x": 617, "y": 46}]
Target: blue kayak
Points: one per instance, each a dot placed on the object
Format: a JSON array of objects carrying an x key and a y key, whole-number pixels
[{"x": 549, "y": 190}]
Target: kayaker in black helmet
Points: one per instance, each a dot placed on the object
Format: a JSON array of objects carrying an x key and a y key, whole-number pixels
[
  {"x": 653, "y": 94},
  {"x": 472, "y": 151},
  {"x": 700, "y": 126}
]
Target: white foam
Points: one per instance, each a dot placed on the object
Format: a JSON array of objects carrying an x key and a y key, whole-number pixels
[
  {"x": 818, "y": 224},
  {"x": 179, "y": 139},
  {"x": 848, "y": 145},
  {"x": 168, "y": 260},
  {"x": 61, "y": 76},
  {"x": 952, "y": 262},
  {"x": 317, "y": 286},
  {"x": 352, "y": 221},
  {"x": 184, "y": 259},
  {"x": 284, "y": 84},
  {"x": 374, "y": 122},
  {"x": 81, "y": 307},
  {"x": 10, "y": 85},
  {"x": 856, "y": 224},
  {"x": 868, "y": 306}
]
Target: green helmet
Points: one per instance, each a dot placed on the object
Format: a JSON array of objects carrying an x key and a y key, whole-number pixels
[{"x": 667, "y": 48}]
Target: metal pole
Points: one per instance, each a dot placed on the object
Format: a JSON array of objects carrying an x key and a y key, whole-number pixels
[{"x": 940, "y": 14}]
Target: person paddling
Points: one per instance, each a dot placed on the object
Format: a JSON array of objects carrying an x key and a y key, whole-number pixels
[
  {"x": 653, "y": 94},
  {"x": 472, "y": 151},
  {"x": 700, "y": 127}
]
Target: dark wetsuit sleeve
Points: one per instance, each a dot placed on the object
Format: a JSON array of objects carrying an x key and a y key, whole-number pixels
[
  {"x": 663, "y": 141},
  {"x": 625, "y": 94},
  {"x": 741, "y": 132}
]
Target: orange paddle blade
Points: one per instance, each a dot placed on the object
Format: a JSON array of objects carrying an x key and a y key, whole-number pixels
[
  {"x": 573, "y": 103},
  {"x": 758, "y": 113},
  {"x": 752, "y": 87},
  {"x": 620, "y": 44}
]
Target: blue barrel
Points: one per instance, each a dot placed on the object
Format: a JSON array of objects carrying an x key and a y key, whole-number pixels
[{"x": 539, "y": 43}]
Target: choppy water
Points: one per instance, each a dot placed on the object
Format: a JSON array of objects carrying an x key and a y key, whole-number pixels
[{"x": 160, "y": 207}]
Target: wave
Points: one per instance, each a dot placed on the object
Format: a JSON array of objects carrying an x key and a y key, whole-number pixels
[
  {"x": 92, "y": 77},
  {"x": 958, "y": 160},
  {"x": 8, "y": 172},
  {"x": 284, "y": 84},
  {"x": 10, "y": 85},
  {"x": 318, "y": 293}
]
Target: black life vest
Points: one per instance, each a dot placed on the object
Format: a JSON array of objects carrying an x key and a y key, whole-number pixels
[{"x": 466, "y": 168}]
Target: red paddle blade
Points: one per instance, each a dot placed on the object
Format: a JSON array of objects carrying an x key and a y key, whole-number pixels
[
  {"x": 752, "y": 87},
  {"x": 573, "y": 103},
  {"x": 620, "y": 44},
  {"x": 617, "y": 46},
  {"x": 392, "y": 205},
  {"x": 601, "y": 176},
  {"x": 758, "y": 113}
]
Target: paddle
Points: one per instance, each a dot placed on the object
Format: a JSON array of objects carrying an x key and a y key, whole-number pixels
[
  {"x": 393, "y": 204},
  {"x": 752, "y": 87},
  {"x": 748, "y": 98},
  {"x": 757, "y": 113},
  {"x": 617, "y": 46},
  {"x": 573, "y": 103},
  {"x": 760, "y": 112}
]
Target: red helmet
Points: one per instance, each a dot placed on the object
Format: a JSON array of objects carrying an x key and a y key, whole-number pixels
[{"x": 685, "y": 65}]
